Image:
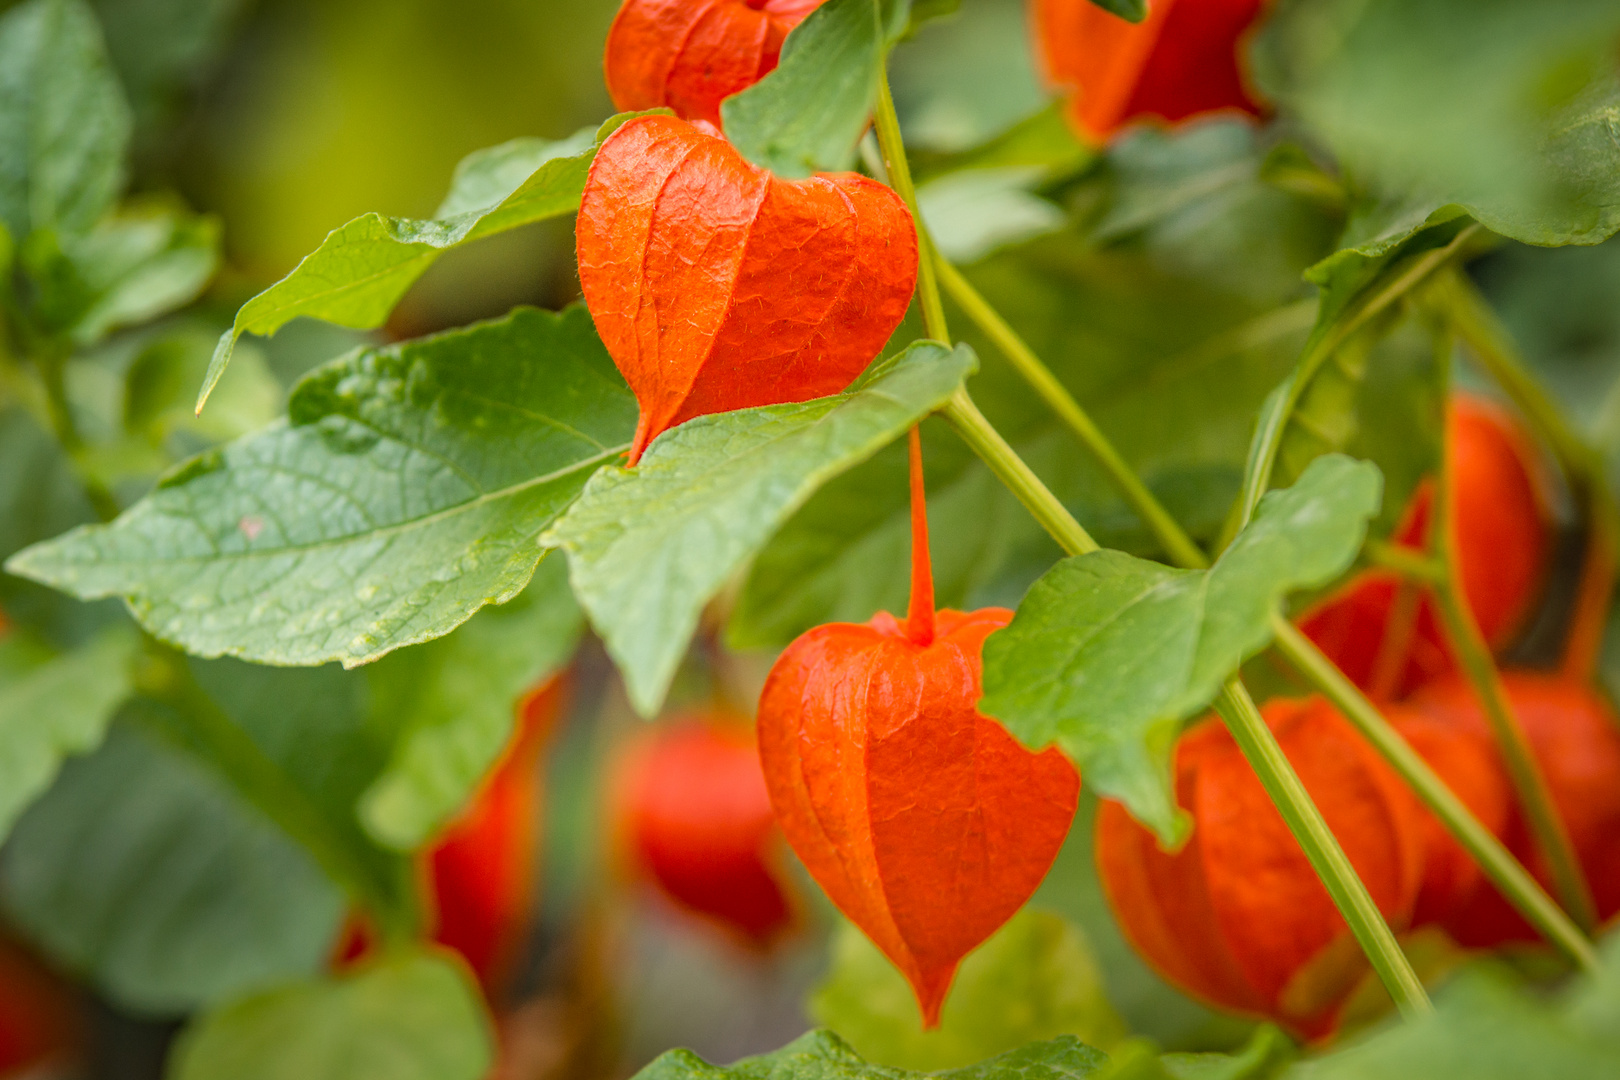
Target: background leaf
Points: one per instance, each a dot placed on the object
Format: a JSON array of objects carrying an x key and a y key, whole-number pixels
[
  {"x": 1108, "y": 654},
  {"x": 1033, "y": 979},
  {"x": 834, "y": 58},
  {"x": 142, "y": 871},
  {"x": 361, "y": 269},
  {"x": 404, "y": 493},
  {"x": 648, "y": 547},
  {"x": 821, "y": 1055},
  {"x": 410, "y": 1016},
  {"x": 64, "y": 124},
  {"x": 52, "y": 707},
  {"x": 451, "y": 703}
]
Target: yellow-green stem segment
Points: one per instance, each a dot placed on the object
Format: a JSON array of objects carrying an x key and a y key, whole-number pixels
[
  {"x": 1327, "y": 858},
  {"x": 1494, "y": 859}
]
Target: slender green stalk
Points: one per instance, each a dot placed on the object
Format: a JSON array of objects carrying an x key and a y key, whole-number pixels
[
  {"x": 893, "y": 146},
  {"x": 1177, "y": 544},
  {"x": 1494, "y": 859},
  {"x": 1551, "y": 836},
  {"x": 1406, "y": 562},
  {"x": 1327, "y": 858},
  {"x": 1019, "y": 478}
]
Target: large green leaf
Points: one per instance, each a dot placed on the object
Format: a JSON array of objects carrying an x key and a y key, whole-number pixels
[
  {"x": 361, "y": 269},
  {"x": 648, "y": 547},
  {"x": 451, "y": 704},
  {"x": 404, "y": 493},
  {"x": 64, "y": 125},
  {"x": 821, "y": 1055},
  {"x": 808, "y": 114},
  {"x": 1518, "y": 122},
  {"x": 144, "y": 261},
  {"x": 1109, "y": 653},
  {"x": 411, "y": 1016},
  {"x": 145, "y": 874},
  {"x": 1034, "y": 979},
  {"x": 52, "y": 707}
]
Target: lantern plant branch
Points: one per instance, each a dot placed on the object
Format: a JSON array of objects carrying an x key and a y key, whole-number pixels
[
  {"x": 887, "y": 124},
  {"x": 1505, "y": 871},
  {"x": 1288, "y": 794}
]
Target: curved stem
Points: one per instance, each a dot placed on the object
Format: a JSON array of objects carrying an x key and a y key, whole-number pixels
[
  {"x": 1322, "y": 848},
  {"x": 1505, "y": 871},
  {"x": 887, "y": 124},
  {"x": 1177, "y": 544}
]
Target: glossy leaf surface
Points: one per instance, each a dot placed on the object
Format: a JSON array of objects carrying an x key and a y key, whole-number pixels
[
  {"x": 1109, "y": 653},
  {"x": 361, "y": 269},
  {"x": 412, "y": 1016},
  {"x": 834, "y": 58},
  {"x": 142, "y": 871},
  {"x": 404, "y": 493},
  {"x": 648, "y": 547},
  {"x": 821, "y": 1055}
]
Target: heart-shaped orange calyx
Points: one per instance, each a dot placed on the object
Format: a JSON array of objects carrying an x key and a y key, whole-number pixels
[
  {"x": 923, "y": 820},
  {"x": 717, "y": 286},
  {"x": 690, "y": 55}
]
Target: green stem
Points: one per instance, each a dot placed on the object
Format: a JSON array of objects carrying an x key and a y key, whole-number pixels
[
  {"x": 887, "y": 123},
  {"x": 383, "y": 891},
  {"x": 1323, "y": 345},
  {"x": 1177, "y": 544},
  {"x": 1405, "y": 561},
  {"x": 1305, "y": 821},
  {"x": 1528, "y": 782},
  {"x": 1506, "y": 872}
]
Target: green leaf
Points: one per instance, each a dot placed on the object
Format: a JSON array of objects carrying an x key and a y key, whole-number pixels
[
  {"x": 1518, "y": 125},
  {"x": 1041, "y": 140},
  {"x": 64, "y": 124},
  {"x": 1129, "y": 10},
  {"x": 451, "y": 702},
  {"x": 361, "y": 269},
  {"x": 808, "y": 114},
  {"x": 55, "y": 707},
  {"x": 411, "y": 1016},
  {"x": 146, "y": 260},
  {"x": 142, "y": 872},
  {"x": 821, "y": 1055},
  {"x": 1035, "y": 978},
  {"x": 648, "y": 547},
  {"x": 404, "y": 493},
  {"x": 1108, "y": 653}
]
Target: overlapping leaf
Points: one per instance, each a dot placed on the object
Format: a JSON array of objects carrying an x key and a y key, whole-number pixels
[
  {"x": 451, "y": 704},
  {"x": 834, "y": 58},
  {"x": 412, "y": 1016},
  {"x": 404, "y": 493},
  {"x": 648, "y": 547},
  {"x": 140, "y": 870},
  {"x": 821, "y": 1055},
  {"x": 52, "y": 707},
  {"x": 1034, "y": 979},
  {"x": 361, "y": 269},
  {"x": 64, "y": 125},
  {"x": 1108, "y": 653}
]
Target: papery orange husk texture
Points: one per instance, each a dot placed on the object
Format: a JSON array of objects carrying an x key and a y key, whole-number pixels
[
  {"x": 1502, "y": 538},
  {"x": 696, "y": 820},
  {"x": 484, "y": 867},
  {"x": 689, "y": 55},
  {"x": 717, "y": 286},
  {"x": 1182, "y": 61},
  {"x": 1237, "y": 917},
  {"x": 1575, "y": 737},
  {"x": 923, "y": 820}
]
